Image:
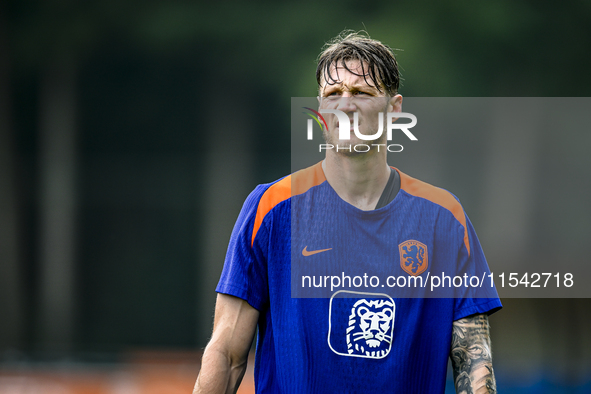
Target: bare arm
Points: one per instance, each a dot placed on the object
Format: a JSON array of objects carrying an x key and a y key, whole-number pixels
[
  {"x": 471, "y": 356},
  {"x": 225, "y": 357}
]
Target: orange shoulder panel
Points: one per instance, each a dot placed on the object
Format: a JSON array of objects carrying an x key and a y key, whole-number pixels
[
  {"x": 438, "y": 196},
  {"x": 292, "y": 185}
]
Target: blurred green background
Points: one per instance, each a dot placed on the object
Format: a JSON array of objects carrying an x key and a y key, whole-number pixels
[{"x": 131, "y": 132}]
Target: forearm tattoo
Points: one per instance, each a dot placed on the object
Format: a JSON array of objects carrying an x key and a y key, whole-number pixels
[{"x": 471, "y": 356}]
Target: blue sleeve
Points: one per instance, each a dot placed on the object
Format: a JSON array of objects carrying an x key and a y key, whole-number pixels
[
  {"x": 480, "y": 299},
  {"x": 245, "y": 274}
]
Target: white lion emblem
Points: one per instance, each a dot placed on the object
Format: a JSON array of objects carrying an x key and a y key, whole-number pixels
[
  {"x": 361, "y": 327},
  {"x": 370, "y": 328}
]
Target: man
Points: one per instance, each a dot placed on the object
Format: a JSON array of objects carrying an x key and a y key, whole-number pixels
[{"x": 351, "y": 212}]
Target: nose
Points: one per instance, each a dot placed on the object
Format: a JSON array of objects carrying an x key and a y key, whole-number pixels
[
  {"x": 346, "y": 103},
  {"x": 375, "y": 324}
]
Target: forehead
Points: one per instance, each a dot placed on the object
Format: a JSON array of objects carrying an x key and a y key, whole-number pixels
[{"x": 351, "y": 73}]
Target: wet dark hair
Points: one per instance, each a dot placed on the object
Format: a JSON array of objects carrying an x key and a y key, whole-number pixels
[{"x": 382, "y": 68}]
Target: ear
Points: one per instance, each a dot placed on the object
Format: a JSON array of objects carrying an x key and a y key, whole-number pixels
[{"x": 395, "y": 103}]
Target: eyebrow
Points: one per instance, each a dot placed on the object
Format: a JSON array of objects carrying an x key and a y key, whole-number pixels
[{"x": 338, "y": 86}]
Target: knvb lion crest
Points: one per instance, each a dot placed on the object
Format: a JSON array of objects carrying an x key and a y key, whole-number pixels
[{"x": 414, "y": 258}]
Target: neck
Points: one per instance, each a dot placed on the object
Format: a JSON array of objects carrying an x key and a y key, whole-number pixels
[{"x": 359, "y": 180}]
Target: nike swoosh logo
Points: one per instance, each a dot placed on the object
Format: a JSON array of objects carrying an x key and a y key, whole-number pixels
[{"x": 306, "y": 253}]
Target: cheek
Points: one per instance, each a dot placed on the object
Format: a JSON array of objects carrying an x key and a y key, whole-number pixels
[{"x": 331, "y": 120}]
